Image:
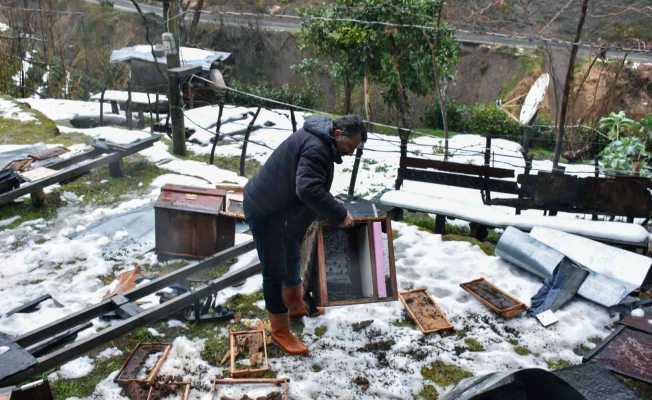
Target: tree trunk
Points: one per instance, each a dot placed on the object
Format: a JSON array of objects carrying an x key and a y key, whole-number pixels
[
  {"x": 366, "y": 95},
  {"x": 402, "y": 103},
  {"x": 195, "y": 20},
  {"x": 348, "y": 91},
  {"x": 567, "y": 86}
]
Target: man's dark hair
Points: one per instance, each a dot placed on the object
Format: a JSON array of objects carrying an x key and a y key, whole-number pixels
[{"x": 351, "y": 125}]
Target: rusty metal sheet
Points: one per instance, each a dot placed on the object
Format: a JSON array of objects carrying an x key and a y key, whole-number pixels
[
  {"x": 187, "y": 198},
  {"x": 642, "y": 324},
  {"x": 627, "y": 352}
]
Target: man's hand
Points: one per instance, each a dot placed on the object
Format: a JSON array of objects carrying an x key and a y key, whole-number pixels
[{"x": 348, "y": 221}]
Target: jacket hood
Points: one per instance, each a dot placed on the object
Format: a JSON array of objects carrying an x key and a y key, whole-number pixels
[{"x": 322, "y": 127}]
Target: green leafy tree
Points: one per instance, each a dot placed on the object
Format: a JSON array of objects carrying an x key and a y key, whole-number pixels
[
  {"x": 625, "y": 155},
  {"x": 615, "y": 124}
]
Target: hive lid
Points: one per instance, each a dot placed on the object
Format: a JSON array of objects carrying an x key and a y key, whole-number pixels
[{"x": 189, "y": 198}]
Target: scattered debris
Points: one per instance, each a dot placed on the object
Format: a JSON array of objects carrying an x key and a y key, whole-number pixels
[
  {"x": 38, "y": 390},
  {"x": 423, "y": 309},
  {"x": 547, "y": 318},
  {"x": 32, "y": 306},
  {"x": 143, "y": 364},
  {"x": 255, "y": 344},
  {"x": 281, "y": 393},
  {"x": 126, "y": 281},
  {"x": 48, "y": 153},
  {"x": 37, "y": 174},
  {"x": 498, "y": 301}
]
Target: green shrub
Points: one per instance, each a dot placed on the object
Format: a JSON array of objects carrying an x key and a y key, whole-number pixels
[
  {"x": 304, "y": 97},
  {"x": 490, "y": 120},
  {"x": 456, "y": 112}
]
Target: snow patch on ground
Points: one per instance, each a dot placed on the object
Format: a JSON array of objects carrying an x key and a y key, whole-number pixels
[
  {"x": 9, "y": 110},
  {"x": 77, "y": 368},
  {"x": 109, "y": 353}
]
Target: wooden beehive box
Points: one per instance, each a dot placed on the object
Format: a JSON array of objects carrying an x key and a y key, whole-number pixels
[
  {"x": 351, "y": 266},
  {"x": 189, "y": 223},
  {"x": 498, "y": 301}
]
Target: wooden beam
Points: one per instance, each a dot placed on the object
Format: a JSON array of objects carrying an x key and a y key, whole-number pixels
[
  {"x": 449, "y": 179},
  {"x": 470, "y": 169}
]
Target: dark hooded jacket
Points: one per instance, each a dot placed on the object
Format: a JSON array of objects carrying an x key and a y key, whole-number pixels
[{"x": 296, "y": 179}]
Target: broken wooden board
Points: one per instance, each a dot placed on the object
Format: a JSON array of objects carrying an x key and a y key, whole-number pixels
[
  {"x": 49, "y": 153},
  {"x": 37, "y": 174},
  {"x": 126, "y": 281},
  {"x": 39, "y": 390},
  {"x": 498, "y": 301},
  {"x": 282, "y": 384},
  {"x": 143, "y": 364},
  {"x": 19, "y": 165},
  {"x": 234, "y": 205},
  {"x": 254, "y": 343},
  {"x": 425, "y": 312}
]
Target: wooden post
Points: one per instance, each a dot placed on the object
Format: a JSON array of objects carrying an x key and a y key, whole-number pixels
[
  {"x": 404, "y": 135},
  {"x": 128, "y": 105},
  {"x": 102, "y": 106},
  {"x": 293, "y": 118},
  {"x": 243, "y": 156},
  {"x": 217, "y": 132},
  {"x": 115, "y": 169},
  {"x": 38, "y": 198},
  {"x": 356, "y": 167},
  {"x": 174, "y": 95}
]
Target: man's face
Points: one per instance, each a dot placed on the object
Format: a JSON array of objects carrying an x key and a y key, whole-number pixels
[{"x": 345, "y": 144}]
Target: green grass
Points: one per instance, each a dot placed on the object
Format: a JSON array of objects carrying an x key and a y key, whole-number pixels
[
  {"x": 522, "y": 350},
  {"x": 487, "y": 247},
  {"x": 444, "y": 374},
  {"x": 428, "y": 392},
  {"x": 84, "y": 386},
  {"x": 321, "y": 330},
  {"x": 245, "y": 305},
  {"x": 473, "y": 345},
  {"x": 555, "y": 364}
]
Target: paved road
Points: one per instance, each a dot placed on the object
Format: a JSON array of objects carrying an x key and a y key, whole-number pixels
[{"x": 280, "y": 23}]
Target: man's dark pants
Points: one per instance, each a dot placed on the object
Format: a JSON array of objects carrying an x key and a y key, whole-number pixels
[{"x": 279, "y": 254}]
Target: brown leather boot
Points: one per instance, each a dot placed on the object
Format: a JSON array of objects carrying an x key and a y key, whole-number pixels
[
  {"x": 293, "y": 300},
  {"x": 282, "y": 336}
]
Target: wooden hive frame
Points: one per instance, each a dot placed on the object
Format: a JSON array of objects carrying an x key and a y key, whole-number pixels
[
  {"x": 246, "y": 372},
  {"x": 322, "y": 280},
  {"x": 507, "y": 313},
  {"x": 444, "y": 324},
  {"x": 282, "y": 382},
  {"x": 149, "y": 348},
  {"x": 185, "y": 394}
]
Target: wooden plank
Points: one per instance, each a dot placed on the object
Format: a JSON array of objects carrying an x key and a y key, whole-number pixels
[
  {"x": 425, "y": 312},
  {"x": 75, "y": 170},
  {"x": 449, "y": 179},
  {"x": 129, "y": 371},
  {"x": 321, "y": 264},
  {"x": 392, "y": 261},
  {"x": 469, "y": 169},
  {"x": 495, "y": 299}
]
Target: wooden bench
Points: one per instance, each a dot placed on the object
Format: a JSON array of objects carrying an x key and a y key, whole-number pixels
[{"x": 488, "y": 179}]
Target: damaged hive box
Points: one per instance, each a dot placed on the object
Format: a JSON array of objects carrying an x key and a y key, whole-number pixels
[
  {"x": 350, "y": 266},
  {"x": 253, "y": 344},
  {"x": 498, "y": 301},
  {"x": 251, "y": 389},
  {"x": 189, "y": 222},
  {"x": 163, "y": 388},
  {"x": 143, "y": 364},
  {"x": 425, "y": 312}
]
